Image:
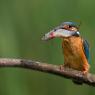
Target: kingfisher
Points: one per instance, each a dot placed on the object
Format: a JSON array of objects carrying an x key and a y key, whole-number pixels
[{"x": 75, "y": 48}]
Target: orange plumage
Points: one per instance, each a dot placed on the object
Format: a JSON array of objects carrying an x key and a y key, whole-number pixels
[{"x": 74, "y": 56}]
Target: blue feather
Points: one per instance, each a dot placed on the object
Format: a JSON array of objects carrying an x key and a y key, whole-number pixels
[
  {"x": 71, "y": 24},
  {"x": 86, "y": 49}
]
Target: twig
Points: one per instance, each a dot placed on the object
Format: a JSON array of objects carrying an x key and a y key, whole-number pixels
[{"x": 49, "y": 68}]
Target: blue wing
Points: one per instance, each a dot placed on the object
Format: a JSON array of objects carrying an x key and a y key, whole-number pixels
[{"x": 86, "y": 49}]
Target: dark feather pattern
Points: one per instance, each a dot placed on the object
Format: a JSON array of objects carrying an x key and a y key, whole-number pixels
[{"x": 86, "y": 49}]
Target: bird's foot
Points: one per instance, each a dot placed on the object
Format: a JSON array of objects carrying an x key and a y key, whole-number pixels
[
  {"x": 86, "y": 68},
  {"x": 64, "y": 67},
  {"x": 85, "y": 71},
  {"x": 61, "y": 67}
]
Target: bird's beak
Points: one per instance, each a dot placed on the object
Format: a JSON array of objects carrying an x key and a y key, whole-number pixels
[{"x": 58, "y": 33}]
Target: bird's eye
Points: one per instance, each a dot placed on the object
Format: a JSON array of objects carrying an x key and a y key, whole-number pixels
[
  {"x": 55, "y": 29},
  {"x": 70, "y": 26}
]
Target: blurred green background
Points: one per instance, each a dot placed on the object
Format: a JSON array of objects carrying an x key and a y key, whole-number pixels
[{"x": 22, "y": 24}]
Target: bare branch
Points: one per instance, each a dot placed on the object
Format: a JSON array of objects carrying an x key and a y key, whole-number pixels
[{"x": 49, "y": 68}]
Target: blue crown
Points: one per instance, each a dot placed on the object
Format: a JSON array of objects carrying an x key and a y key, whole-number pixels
[{"x": 70, "y": 23}]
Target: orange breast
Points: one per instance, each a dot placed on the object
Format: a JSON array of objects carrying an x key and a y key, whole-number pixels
[{"x": 74, "y": 56}]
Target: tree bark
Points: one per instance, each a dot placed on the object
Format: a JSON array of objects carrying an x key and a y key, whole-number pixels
[{"x": 49, "y": 68}]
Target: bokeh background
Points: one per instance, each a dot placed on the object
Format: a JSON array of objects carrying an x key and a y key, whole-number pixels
[{"x": 22, "y": 24}]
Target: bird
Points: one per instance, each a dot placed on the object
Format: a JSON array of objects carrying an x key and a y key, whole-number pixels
[{"x": 74, "y": 47}]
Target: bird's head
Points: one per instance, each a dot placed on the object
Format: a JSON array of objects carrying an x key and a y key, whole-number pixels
[{"x": 66, "y": 29}]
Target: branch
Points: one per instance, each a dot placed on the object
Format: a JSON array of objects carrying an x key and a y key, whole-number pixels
[{"x": 49, "y": 68}]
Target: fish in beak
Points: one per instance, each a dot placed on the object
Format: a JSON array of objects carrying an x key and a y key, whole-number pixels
[{"x": 61, "y": 33}]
